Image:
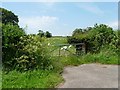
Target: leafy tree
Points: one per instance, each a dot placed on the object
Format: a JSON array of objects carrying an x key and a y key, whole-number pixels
[
  {"x": 102, "y": 34},
  {"x": 48, "y": 34},
  {"x": 77, "y": 31},
  {"x": 21, "y": 51},
  {"x": 8, "y": 17},
  {"x": 11, "y": 33},
  {"x": 41, "y": 33},
  {"x": 10, "y": 37},
  {"x": 95, "y": 37},
  {"x": 44, "y": 34}
]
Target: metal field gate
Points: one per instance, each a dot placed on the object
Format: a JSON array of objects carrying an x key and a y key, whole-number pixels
[{"x": 68, "y": 49}]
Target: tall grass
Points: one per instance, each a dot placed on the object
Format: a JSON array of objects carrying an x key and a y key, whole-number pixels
[
  {"x": 31, "y": 79},
  {"x": 103, "y": 57}
]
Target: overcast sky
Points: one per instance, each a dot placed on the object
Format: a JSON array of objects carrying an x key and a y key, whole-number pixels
[{"x": 61, "y": 18}]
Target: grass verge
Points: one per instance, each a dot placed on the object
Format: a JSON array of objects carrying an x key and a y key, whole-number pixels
[{"x": 31, "y": 79}]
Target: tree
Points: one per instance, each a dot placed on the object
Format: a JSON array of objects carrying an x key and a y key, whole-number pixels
[
  {"x": 41, "y": 33},
  {"x": 11, "y": 33},
  {"x": 48, "y": 34},
  {"x": 77, "y": 31},
  {"x": 8, "y": 17},
  {"x": 95, "y": 37}
]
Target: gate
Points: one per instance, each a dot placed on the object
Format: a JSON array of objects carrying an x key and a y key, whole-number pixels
[{"x": 68, "y": 49}]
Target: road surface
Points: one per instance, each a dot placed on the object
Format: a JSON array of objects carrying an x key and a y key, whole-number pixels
[{"x": 90, "y": 76}]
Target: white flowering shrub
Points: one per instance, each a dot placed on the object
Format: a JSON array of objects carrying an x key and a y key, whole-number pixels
[{"x": 32, "y": 54}]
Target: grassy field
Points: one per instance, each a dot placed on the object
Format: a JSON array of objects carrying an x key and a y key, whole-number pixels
[
  {"x": 50, "y": 79},
  {"x": 55, "y": 45}
]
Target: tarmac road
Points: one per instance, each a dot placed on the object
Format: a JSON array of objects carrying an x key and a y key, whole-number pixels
[{"x": 91, "y": 76}]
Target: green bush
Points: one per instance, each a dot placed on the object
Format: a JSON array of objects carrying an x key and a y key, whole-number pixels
[
  {"x": 10, "y": 37},
  {"x": 104, "y": 57},
  {"x": 11, "y": 33},
  {"x": 32, "y": 54},
  {"x": 95, "y": 37},
  {"x": 108, "y": 56}
]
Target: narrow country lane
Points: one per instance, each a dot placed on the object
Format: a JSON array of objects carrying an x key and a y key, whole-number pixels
[{"x": 91, "y": 76}]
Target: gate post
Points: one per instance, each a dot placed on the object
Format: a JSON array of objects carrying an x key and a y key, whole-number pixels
[{"x": 59, "y": 51}]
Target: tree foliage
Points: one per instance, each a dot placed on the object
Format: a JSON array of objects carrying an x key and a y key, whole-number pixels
[
  {"x": 48, "y": 34},
  {"x": 21, "y": 51},
  {"x": 44, "y": 34},
  {"x": 41, "y": 33},
  {"x": 11, "y": 34},
  {"x": 10, "y": 37},
  {"x": 94, "y": 37},
  {"x": 9, "y": 17}
]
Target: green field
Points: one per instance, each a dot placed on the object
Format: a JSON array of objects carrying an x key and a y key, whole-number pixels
[{"x": 56, "y": 43}]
